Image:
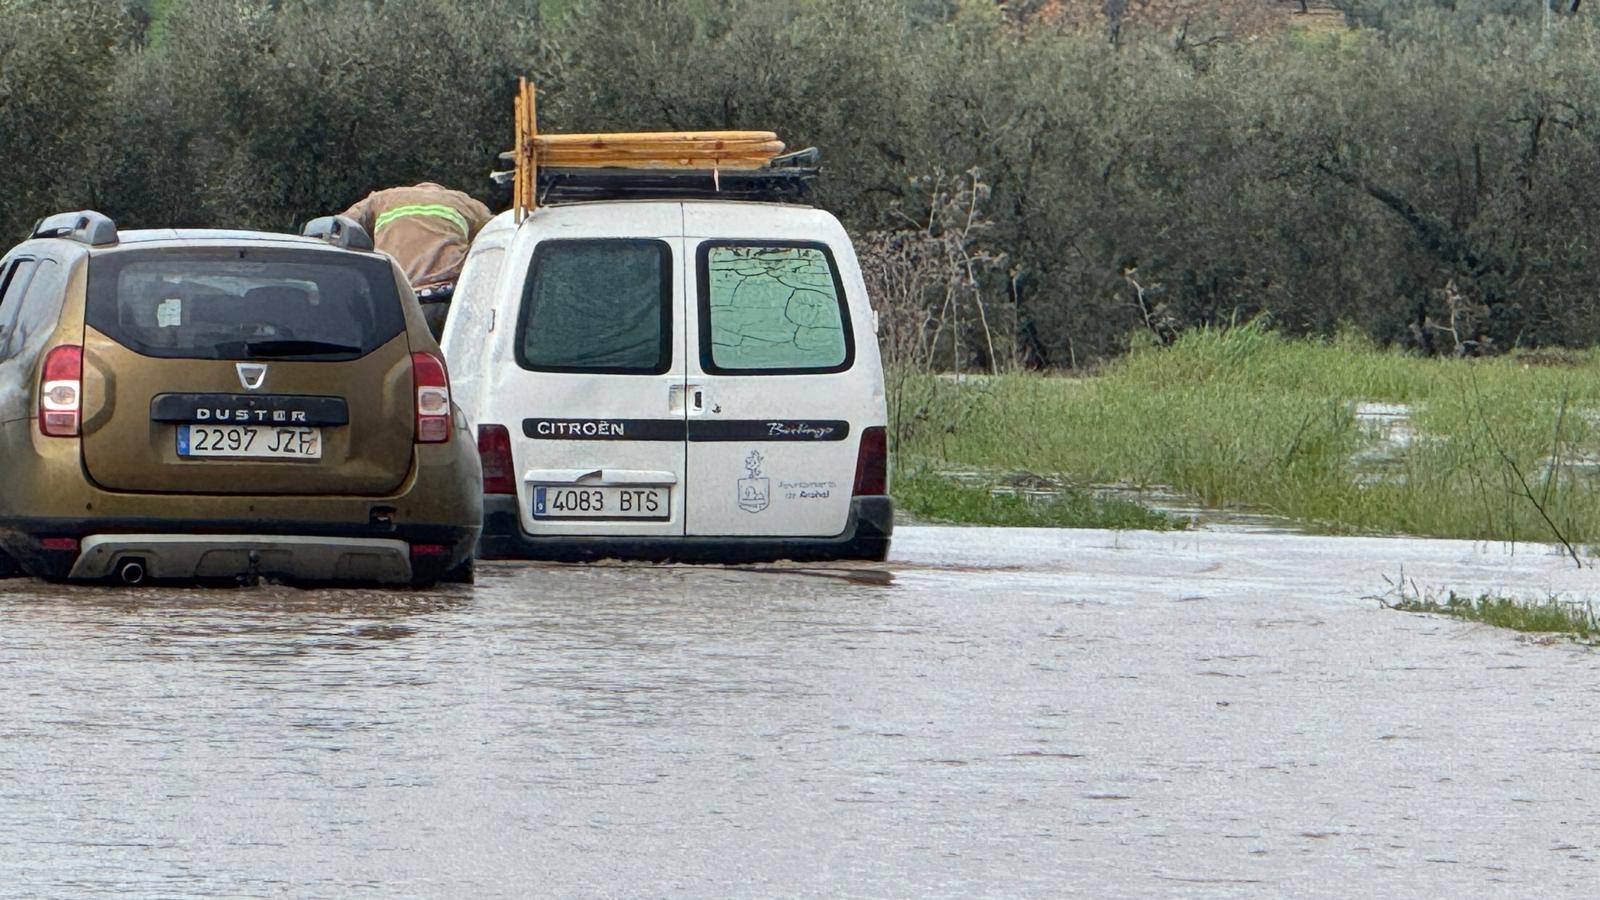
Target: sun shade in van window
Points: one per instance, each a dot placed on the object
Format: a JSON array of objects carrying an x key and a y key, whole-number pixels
[
  {"x": 244, "y": 303},
  {"x": 770, "y": 308},
  {"x": 598, "y": 306}
]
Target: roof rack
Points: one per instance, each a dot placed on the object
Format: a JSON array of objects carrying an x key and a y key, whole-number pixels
[
  {"x": 787, "y": 179},
  {"x": 85, "y": 227},
  {"x": 734, "y": 165}
]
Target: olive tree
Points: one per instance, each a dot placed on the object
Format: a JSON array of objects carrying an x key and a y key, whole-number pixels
[{"x": 55, "y": 58}]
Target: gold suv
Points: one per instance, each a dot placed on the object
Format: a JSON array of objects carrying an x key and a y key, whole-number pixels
[{"x": 195, "y": 405}]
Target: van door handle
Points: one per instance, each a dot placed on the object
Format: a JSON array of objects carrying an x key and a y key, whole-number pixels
[{"x": 699, "y": 400}]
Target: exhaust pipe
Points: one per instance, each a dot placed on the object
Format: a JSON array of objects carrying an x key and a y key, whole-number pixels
[{"x": 131, "y": 572}]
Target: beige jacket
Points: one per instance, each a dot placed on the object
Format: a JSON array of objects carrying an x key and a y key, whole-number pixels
[{"x": 427, "y": 228}]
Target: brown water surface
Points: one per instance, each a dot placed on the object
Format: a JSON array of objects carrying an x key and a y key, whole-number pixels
[{"x": 995, "y": 713}]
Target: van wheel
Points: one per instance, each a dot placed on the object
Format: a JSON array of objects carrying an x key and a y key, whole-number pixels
[
  {"x": 876, "y": 552},
  {"x": 8, "y": 569}
]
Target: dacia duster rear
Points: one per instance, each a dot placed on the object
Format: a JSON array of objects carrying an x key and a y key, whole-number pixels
[{"x": 204, "y": 404}]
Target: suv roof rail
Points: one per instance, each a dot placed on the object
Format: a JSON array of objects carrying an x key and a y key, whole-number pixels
[
  {"x": 85, "y": 227},
  {"x": 339, "y": 231}
]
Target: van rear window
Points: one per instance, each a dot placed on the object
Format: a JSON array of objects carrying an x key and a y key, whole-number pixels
[
  {"x": 772, "y": 308},
  {"x": 598, "y": 306},
  {"x": 244, "y": 303}
]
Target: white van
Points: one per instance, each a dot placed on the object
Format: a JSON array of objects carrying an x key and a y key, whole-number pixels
[{"x": 692, "y": 379}]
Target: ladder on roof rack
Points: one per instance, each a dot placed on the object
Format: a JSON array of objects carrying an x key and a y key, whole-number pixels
[{"x": 649, "y": 165}]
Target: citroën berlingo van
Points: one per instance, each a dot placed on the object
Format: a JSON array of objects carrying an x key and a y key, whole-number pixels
[{"x": 672, "y": 364}]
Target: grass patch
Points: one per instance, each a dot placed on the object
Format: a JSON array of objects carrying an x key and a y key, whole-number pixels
[
  {"x": 932, "y": 497},
  {"x": 1506, "y": 448},
  {"x": 1553, "y": 615}
]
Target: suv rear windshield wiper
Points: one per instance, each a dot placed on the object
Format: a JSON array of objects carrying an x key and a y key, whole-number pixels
[{"x": 285, "y": 347}]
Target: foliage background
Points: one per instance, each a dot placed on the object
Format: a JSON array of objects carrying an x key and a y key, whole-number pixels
[{"x": 1426, "y": 176}]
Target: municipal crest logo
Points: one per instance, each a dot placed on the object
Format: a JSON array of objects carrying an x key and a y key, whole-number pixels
[{"x": 755, "y": 490}]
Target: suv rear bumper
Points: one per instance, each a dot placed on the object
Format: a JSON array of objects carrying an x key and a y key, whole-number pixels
[
  {"x": 866, "y": 536},
  {"x": 191, "y": 557},
  {"x": 302, "y": 552}
]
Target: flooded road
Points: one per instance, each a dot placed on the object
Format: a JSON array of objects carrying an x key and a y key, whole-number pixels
[{"x": 993, "y": 713}]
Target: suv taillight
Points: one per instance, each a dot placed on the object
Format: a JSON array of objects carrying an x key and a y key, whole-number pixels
[
  {"x": 433, "y": 398},
  {"x": 494, "y": 450},
  {"x": 872, "y": 462},
  {"x": 61, "y": 392}
]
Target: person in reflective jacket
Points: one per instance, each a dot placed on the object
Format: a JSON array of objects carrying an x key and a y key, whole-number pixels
[{"x": 427, "y": 228}]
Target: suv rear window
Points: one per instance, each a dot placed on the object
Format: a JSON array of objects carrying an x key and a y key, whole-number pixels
[{"x": 244, "y": 303}]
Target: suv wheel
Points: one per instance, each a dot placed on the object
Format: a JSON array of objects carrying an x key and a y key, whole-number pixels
[{"x": 466, "y": 573}]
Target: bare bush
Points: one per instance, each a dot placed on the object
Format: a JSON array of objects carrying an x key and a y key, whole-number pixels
[
  {"x": 1460, "y": 331},
  {"x": 931, "y": 287},
  {"x": 930, "y": 283}
]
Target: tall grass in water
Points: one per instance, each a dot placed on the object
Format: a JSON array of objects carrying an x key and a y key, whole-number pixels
[
  {"x": 1245, "y": 417},
  {"x": 931, "y": 497},
  {"x": 1574, "y": 617}
]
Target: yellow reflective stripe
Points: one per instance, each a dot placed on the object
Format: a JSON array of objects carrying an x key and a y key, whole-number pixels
[{"x": 424, "y": 209}]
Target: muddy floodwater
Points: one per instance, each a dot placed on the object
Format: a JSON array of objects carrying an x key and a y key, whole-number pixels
[{"x": 994, "y": 713}]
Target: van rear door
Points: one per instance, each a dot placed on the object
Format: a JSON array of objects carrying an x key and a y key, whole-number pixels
[
  {"x": 777, "y": 400},
  {"x": 254, "y": 369},
  {"x": 592, "y": 388}
]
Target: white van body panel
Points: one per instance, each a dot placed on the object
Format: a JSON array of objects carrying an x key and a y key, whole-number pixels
[
  {"x": 470, "y": 325},
  {"x": 762, "y": 455},
  {"x": 544, "y": 401},
  {"x": 794, "y": 472}
]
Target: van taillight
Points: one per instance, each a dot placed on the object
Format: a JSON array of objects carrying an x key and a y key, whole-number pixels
[
  {"x": 433, "y": 398},
  {"x": 872, "y": 462},
  {"x": 494, "y": 449},
  {"x": 61, "y": 392}
]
